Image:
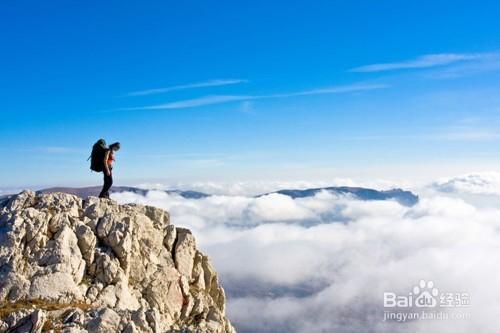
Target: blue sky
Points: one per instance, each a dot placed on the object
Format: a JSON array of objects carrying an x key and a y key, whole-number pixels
[{"x": 231, "y": 90}]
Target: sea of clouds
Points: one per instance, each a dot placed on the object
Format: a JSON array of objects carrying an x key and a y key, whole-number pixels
[{"x": 323, "y": 263}]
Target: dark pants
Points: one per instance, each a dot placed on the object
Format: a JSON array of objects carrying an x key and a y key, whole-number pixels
[{"x": 108, "y": 181}]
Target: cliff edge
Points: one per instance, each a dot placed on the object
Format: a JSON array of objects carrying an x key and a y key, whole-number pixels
[{"x": 72, "y": 265}]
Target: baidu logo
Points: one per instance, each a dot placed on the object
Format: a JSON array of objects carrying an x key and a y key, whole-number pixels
[
  {"x": 425, "y": 294},
  {"x": 424, "y": 301}
]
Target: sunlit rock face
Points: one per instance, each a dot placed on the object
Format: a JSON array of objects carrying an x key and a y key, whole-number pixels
[{"x": 74, "y": 265}]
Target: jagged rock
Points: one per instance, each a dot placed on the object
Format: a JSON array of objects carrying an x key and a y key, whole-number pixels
[
  {"x": 32, "y": 323},
  {"x": 198, "y": 273},
  {"x": 15, "y": 318},
  {"x": 140, "y": 322},
  {"x": 3, "y": 326},
  {"x": 73, "y": 329},
  {"x": 86, "y": 242},
  {"x": 74, "y": 316},
  {"x": 130, "y": 328},
  {"x": 96, "y": 266},
  {"x": 59, "y": 287},
  {"x": 170, "y": 237},
  {"x": 106, "y": 321},
  {"x": 185, "y": 250}
]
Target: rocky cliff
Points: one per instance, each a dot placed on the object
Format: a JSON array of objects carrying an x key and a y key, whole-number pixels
[{"x": 73, "y": 265}]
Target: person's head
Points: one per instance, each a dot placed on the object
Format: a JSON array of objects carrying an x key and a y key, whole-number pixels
[{"x": 114, "y": 146}]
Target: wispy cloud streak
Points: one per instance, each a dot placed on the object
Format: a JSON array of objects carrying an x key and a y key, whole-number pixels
[
  {"x": 194, "y": 102},
  {"x": 219, "y": 99},
  {"x": 203, "y": 84},
  {"x": 332, "y": 90},
  {"x": 487, "y": 62},
  {"x": 465, "y": 134},
  {"x": 424, "y": 61}
]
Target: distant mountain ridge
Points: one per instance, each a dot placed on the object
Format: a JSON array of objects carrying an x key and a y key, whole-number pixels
[
  {"x": 406, "y": 198},
  {"x": 94, "y": 191}
]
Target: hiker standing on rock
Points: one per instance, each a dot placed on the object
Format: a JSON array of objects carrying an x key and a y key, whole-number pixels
[
  {"x": 102, "y": 159},
  {"x": 109, "y": 158}
]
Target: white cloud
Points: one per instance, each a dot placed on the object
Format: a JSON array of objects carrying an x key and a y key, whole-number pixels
[
  {"x": 9, "y": 190},
  {"x": 278, "y": 207},
  {"x": 194, "y": 102},
  {"x": 474, "y": 183},
  {"x": 51, "y": 150},
  {"x": 424, "y": 61},
  {"x": 331, "y": 90},
  {"x": 486, "y": 62},
  {"x": 474, "y": 133},
  {"x": 465, "y": 134},
  {"x": 220, "y": 99},
  {"x": 247, "y": 107},
  {"x": 203, "y": 84},
  {"x": 321, "y": 264}
]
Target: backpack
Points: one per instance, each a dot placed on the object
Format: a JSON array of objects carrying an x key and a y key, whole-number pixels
[{"x": 97, "y": 156}]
